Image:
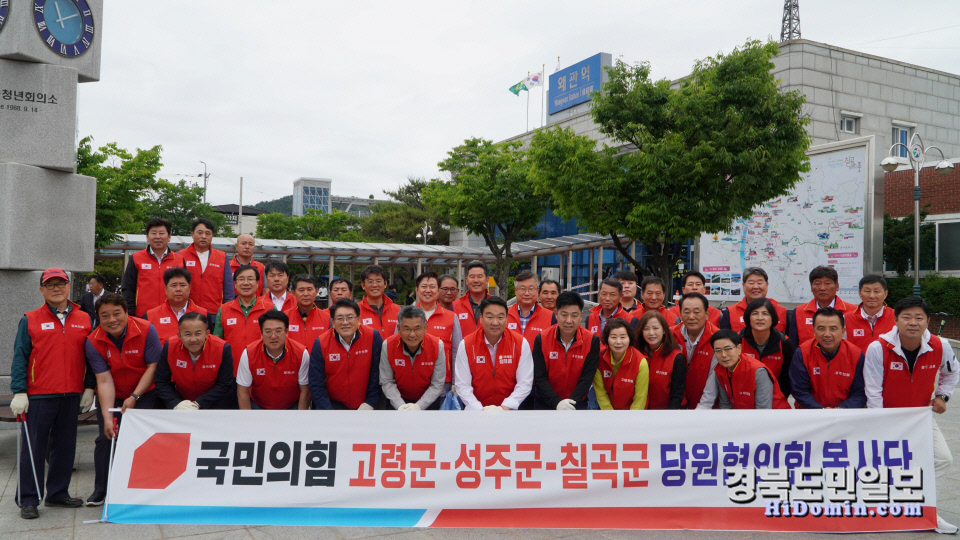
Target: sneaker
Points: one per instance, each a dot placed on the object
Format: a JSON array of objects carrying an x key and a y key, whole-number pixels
[
  {"x": 69, "y": 502},
  {"x": 96, "y": 499},
  {"x": 942, "y": 526},
  {"x": 29, "y": 512}
]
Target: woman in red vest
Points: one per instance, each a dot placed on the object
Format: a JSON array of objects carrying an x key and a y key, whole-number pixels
[
  {"x": 668, "y": 365},
  {"x": 742, "y": 382},
  {"x": 761, "y": 340},
  {"x": 623, "y": 373}
]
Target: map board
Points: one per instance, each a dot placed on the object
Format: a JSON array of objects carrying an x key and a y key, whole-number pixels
[{"x": 822, "y": 221}]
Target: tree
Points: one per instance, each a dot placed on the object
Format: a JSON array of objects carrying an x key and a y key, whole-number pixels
[
  {"x": 283, "y": 205},
  {"x": 693, "y": 158},
  {"x": 314, "y": 225},
  {"x": 182, "y": 203},
  {"x": 403, "y": 220},
  {"x": 898, "y": 241},
  {"x": 488, "y": 195}
]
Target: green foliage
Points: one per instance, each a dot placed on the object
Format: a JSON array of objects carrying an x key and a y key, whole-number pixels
[
  {"x": 489, "y": 195},
  {"x": 706, "y": 153},
  {"x": 283, "y": 205},
  {"x": 898, "y": 243},
  {"x": 402, "y": 220},
  {"x": 941, "y": 292},
  {"x": 314, "y": 225}
]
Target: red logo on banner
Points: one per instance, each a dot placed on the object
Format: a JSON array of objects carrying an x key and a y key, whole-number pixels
[{"x": 159, "y": 461}]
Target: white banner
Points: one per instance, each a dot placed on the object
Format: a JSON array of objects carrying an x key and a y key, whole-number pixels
[{"x": 775, "y": 470}]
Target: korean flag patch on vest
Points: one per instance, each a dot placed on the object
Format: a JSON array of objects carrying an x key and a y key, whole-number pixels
[
  {"x": 896, "y": 366},
  {"x": 816, "y": 371},
  {"x": 858, "y": 332},
  {"x": 261, "y": 371},
  {"x": 367, "y": 321},
  {"x": 401, "y": 362},
  {"x": 554, "y": 355},
  {"x": 190, "y": 263},
  {"x": 481, "y": 360},
  {"x": 164, "y": 320},
  {"x": 512, "y": 326},
  {"x": 334, "y": 357},
  {"x": 181, "y": 363},
  {"x": 46, "y": 326},
  {"x": 463, "y": 316},
  {"x": 146, "y": 266}
]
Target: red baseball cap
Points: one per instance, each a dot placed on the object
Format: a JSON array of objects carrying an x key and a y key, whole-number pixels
[{"x": 51, "y": 273}]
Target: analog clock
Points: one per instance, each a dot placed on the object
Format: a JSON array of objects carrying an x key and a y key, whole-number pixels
[{"x": 65, "y": 25}]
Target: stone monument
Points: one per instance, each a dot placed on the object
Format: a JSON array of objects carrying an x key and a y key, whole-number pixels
[{"x": 47, "y": 212}]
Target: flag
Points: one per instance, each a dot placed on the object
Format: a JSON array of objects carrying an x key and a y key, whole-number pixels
[
  {"x": 534, "y": 79},
  {"x": 558, "y": 65},
  {"x": 517, "y": 88}
]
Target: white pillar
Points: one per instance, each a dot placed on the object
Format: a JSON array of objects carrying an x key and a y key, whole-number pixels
[
  {"x": 419, "y": 266},
  {"x": 570, "y": 269},
  {"x": 600, "y": 267},
  {"x": 330, "y": 276},
  {"x": 533, "y": 264},
  {"x": 459, "y": 272}
]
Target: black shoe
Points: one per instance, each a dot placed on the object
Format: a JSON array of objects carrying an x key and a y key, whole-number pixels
[
  {"x": 29, "y": 512},
  {"x": 96, "y": 499},
  {"x": 69, "y": 502}
]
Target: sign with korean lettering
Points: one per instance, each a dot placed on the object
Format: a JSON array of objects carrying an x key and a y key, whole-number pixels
[
  {"x": 573, "y": 85},
  {"x": 767, "y": 470}
]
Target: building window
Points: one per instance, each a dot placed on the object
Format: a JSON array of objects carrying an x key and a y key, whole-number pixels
[
  {"x": 948, "y": 256},
  {"x": 901, "y": 135},
  {"x": 849, "y": 124}
]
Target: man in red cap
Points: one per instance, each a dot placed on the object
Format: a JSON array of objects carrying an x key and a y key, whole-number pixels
[{"x": 47, "y": 379}]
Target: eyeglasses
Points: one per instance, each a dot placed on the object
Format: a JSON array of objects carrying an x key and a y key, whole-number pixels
[
  {"x": 525, "y": 289},
  {"x": 450, "y": 289},
  {"x": 724, "y": 351},
  {"x": 351, "y": 318},
  {"x": 274, "y": 332},
  {"x": 56, "y": 285}
]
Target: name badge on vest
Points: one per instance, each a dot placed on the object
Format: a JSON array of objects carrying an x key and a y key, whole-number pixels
[
  {"x": 816, "y": 371},
  {"x": 231, "y": 322},
  {"x": 463, "y": 316},
  {"x": 896, "y": 366},
  {"x": 46, "y": 326},
  {"x": 190, "y": 263},
  {"x": 809, "y": 320},
  {"x": 858, "y": 332},
  {"x": 512, "y": 326},
  {"x": 506, "y": 360},
  {"x": 146, "y": 266},
  {"x": 367, "y": 321},
  {"x": 334, "y": 357},
  {"x": 294, "y": 327},
  {"x": 481, "y": 360},
  {"x": 401, "y": 362},
  {"x": 261, "y": 371},
  {"x": 164, "y": 320},
  {"x": 554, "y": 355},
  {"x": 181, "y": 363}
]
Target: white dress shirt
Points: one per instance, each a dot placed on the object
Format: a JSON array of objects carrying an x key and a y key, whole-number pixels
[{"x": 463, "y": 379}]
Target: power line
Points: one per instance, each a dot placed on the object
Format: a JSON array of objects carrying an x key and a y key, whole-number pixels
[{"x": 908, "y": 35}]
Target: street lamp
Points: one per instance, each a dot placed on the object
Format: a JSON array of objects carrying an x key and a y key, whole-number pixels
[
  {"x": 424, "y": 233},
  {"x": 916, "y": 151},
  {"x": 205, "y": 176}
]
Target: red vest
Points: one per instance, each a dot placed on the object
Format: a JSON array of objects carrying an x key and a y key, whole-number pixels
[
  {"x": 387, "y": 324},
  {"x": 150, "y": 288},
  {"x": 347, "y": 372},
  {"x": 541, "y": 320},
  {"x": 904, "y": 389},
  {"x": 773, "y": 362},
  {"x": 440, "y": 324},
  {"x": 126, "y": 366},
  {"x": 593, "y": 320},
  {"x": 741, "y": 385},
  {"x": 830, "y": 381},
  {"x": 235, "y": 264},
  {"x": 804, "y": 317},
  {"x": 412, "y": 377},
  {"x": 194, "y": 380},
  {"x": 206, "y": 287},
  {"x": 664, "y": 310},
  {"x": 736, "y": 315},
  {"x": 661, "y": 375},
  {"x": 713, "y": 316},
  {"x": 494, "y": 379},
  {"x": 305, "y": 332},
  {"x": 565, "y": 367},
  {"x": 276, "y": 385},
  {"x": 858, "y": 329},
  {"x": 288, "y": 302},
  {"x": 464, "y": 310},
  {"x": 622, "y": 386},
  {"x": 165, "y": 320},
  {"x": 240, "y": 331},
  {"x": 57, "y": 361},
  {"x": 698, "y": 364}
]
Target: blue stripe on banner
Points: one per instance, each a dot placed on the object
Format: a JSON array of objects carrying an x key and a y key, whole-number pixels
[{"x": 243, "y": 515}]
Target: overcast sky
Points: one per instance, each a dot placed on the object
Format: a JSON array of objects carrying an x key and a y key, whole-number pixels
[{"x": 368, "y": 93}]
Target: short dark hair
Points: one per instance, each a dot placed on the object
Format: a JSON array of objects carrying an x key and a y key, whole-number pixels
[
  {"x": 445, "y": 277},
  {"x": 669, "y": 343},
  {"x": 427, "y": 275},
  {"x": 693, "y": 273},
  {"x": 626, "y": 275},
  {"x": 246, "y": 267},
  {"x": 344, "y": 281},
  {"x": 569, "y": 298},
  {"x": 828, "y": 312},
  {"x": 157, "y": 222},
  {"x": 275, "y": 315},
  {"x": 176, "y": 271},
  {"x": 304, "y": 277},
  {"x": 724, "y": 333},
  {"x": 193, "y": 316},
  {"x": 99, "y": 277},
  {"x": 762, "y": 303},
  {"x": 476, "y": 264},
  {"x": 276, "y": 265},
  {"x": 756, "y": 271},
  {"x": 612, "y": 282},
  {"x": 345, "y": 303},
  {"x": 870, "y": 279},
  {"x": 614, "y": 324},
  {"x": 493, "y": 301},
  {"x": 549, "y": 282},
  {"x": 371, "y": 270},
  {"x": 110, "y": 299},
  {"x": 696, "y": 296},
  {"x": 652, "y": 280},
  {"x": 203, "y": 221},
  {"x": 911, "y": 302},
  {"x": 824, "y": 272},
  {"x": 411, "y": 312},
  {"x": 525, "y": 275}
]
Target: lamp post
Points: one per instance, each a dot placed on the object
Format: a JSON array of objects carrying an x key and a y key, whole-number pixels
[
  {"x": 916, "y": 151},
  {"x": 205, "y": 176},
  {"x": 424, "y": 233}
]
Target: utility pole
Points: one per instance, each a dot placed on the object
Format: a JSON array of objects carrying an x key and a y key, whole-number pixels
[
  {"x": 240, "y": 213},
  {"x": 790, "y": 27},
  {"x": 205, "y": 176}
]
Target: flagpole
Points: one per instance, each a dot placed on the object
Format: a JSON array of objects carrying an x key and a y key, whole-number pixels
[
  {"x": 543, "y": 95},
  {"x": 528, "y": 103}
]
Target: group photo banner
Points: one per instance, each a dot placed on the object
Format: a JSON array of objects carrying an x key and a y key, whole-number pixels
[{"x": 847, "y": 470}]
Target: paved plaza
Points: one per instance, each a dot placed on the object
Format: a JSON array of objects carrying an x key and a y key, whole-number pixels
[{"x": 60, "y": 523}]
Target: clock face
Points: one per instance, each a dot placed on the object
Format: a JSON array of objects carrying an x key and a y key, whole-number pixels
[{"x": 66, "y": 25}]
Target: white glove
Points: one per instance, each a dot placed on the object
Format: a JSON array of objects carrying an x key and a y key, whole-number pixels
[
  {"x": 86, "y": 400},
  {"x": 364, "y": 407},
  {"x": 567, "y": 405},
  {"x": 187, "y": 405},
  {"x": 493, "y": 408},
  {"x": 409, "y": 407},
  {"x": 19, "y": 404}
]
